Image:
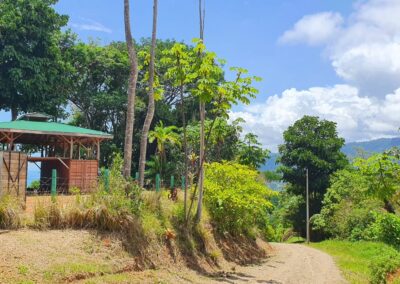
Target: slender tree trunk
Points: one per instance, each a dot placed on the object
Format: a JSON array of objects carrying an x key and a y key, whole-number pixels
[
  {"x": 202, "y": 120},
  {"x": 185, "y": 150},
  {"x": 151, "y": 106},
  {"x": 202, "y": 157},
  {"x": 130, "y": 114}
]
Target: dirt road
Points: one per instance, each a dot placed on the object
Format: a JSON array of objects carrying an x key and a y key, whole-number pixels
[{"x": 291, "y": 263}]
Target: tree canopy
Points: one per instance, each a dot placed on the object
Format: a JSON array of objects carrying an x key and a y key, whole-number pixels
[
  {"x": 313, "y": 144},
  {"x": 32, "y": 73}
]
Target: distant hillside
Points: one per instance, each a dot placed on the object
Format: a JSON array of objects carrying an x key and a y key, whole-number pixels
[
  {"x": 350, "y": 149},
  {"x": 373, "y": 146},
  {"x": 270, "y": 165}
]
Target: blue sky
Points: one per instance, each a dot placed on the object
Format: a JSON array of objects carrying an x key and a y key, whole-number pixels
[
  {"x": 244, "y": 32},
  {"x": 336, "y": 59}
]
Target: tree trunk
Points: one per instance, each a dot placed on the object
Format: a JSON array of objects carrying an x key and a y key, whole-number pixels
[
  {"x": 202, "y": 156},
  {"x": 202, "y": 119},
  {"x": 130, "y": 115},
  {"x": 389, "y": 207},
  {"x": 185, "y": 150},
  {"x": 14, "y": 114},
  {"x": 151, "y": 106}
]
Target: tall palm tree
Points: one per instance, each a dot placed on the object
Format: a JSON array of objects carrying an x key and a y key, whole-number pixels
[
  {"x": 151, "y": 106},
  {"x": 130, "y": 114},
  {"x": 164, "y": 135}
]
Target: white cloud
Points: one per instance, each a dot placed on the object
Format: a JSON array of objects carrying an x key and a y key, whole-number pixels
[
  {"x": 314, "y": 29},
  {"x": 374, "y": 68},
  {"x": 91, "y": 25},
  {"x": 358, "y": 118},
  {"x": 364, "y": 50}
]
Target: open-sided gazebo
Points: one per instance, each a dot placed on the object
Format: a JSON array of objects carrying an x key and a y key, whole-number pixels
[{"x": 73, "y": 151}]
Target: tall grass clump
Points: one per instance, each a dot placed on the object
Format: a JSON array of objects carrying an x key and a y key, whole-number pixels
[
  {"x": 10, "y": 209},
  {"x": 116, "y": 208}
]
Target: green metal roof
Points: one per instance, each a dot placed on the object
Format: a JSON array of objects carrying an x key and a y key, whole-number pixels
[{"x": 36, "y": 127}]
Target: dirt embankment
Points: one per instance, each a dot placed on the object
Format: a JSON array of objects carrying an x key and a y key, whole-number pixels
[{"x": 86, "y": 257}]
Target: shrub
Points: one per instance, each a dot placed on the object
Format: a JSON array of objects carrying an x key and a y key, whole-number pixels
[
  {"x": 121, "y": 195},
  {"x": 236, "y": 199},
  {"x": 347, "y": 208},
  {"x": 35, "y": 185},
  {"x": 386, "y": 228},
  {"x": 383, "y": 265}
]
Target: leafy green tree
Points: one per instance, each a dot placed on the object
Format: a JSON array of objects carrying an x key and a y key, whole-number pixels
[
  {"x": 346, "y": 211},
  {"x": 163, "y": 136},
  {"x": 210, "y": 88},
  {"x": 272, "y": 176},
  {"x": 178, "y": 58},
  {"x": 31, "y": 63},
  {"x": 223, "y": 141},
  {"x": 382, "y": 172},
  {"x": 358, "y": 204},
  {"x": 98, "y": 87},
  {"x": 208, "y": 74},
  {"x": 313, "y": 144},
  {"x": 251, "y": 153}
]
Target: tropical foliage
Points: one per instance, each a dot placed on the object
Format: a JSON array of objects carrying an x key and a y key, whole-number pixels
[
  {"x": 310, "y": 144},
  {"x": 356, "y": 206},
  {"x": 236, "y": 199}
]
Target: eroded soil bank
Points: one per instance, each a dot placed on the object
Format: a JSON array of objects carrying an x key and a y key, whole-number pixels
[{"x": 81, "y": 256}]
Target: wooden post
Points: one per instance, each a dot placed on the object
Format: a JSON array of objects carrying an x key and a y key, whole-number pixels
[
  {"x": 53, "y": 184},
  {"x": 71, "y": 149},
  {"x": 183, "y": 183}
]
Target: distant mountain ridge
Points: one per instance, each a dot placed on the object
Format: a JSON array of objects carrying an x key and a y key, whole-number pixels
[
  {"x": 372, "y": 146},
  {"x": 350, "y": 149}
]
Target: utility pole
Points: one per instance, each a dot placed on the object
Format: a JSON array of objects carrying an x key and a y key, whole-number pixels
[{"x": 308, "y": 209}]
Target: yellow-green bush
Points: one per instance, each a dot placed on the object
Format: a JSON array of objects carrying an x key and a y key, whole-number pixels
[{"x": 236, "y": 199}]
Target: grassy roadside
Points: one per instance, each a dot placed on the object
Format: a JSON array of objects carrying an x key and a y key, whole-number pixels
[{"x": 361, "y": 262}]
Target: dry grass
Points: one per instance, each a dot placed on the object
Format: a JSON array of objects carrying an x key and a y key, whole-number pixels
[
  {"x": 10, "y": 212},
  {"x": 45, "y": 200},
  {"x": 120, "y": 243}
]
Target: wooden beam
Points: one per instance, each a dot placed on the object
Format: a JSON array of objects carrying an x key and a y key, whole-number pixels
[
  {"x": 11, "y": 142},
  {"x": 62, "y": 162},
  {"x": 53, "y": 133},
  {"x": 71, "y": 145},
  {"x": 6, "y": 136}
]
